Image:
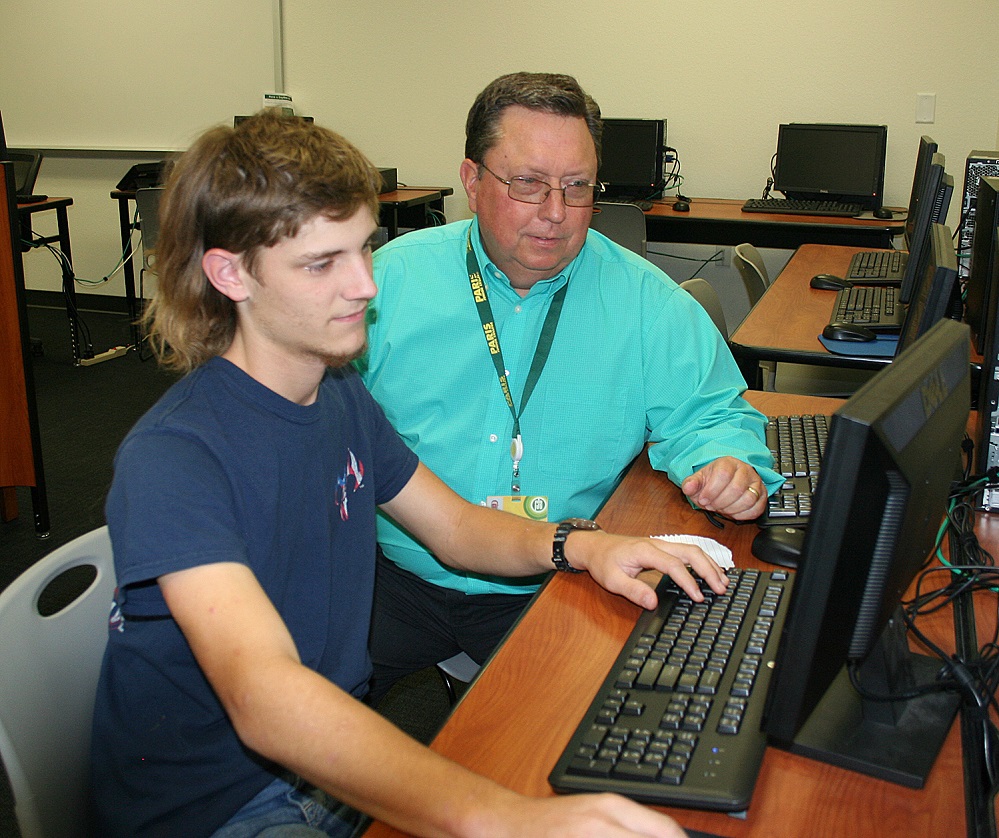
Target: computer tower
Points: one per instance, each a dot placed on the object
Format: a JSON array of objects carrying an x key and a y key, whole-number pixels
[{"x": 980, "y": 164}]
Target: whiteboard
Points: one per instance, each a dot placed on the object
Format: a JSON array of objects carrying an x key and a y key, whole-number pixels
[{"x": 133, "y": 74}]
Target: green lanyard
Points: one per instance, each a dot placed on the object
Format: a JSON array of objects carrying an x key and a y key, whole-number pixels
[{"x": 492, "y": 341}]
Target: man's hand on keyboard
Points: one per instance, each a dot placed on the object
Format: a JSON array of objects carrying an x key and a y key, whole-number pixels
[
  {"x": 727, "y": 486},
  {"x": 615, "y": 562}
]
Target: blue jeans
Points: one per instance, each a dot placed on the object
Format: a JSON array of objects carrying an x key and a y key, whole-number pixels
[{"x": 283, "y": 810}]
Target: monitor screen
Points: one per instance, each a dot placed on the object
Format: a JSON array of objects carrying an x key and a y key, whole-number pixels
[
  {"x": 934, "y": 287},
  {"x": 980, "y": 289},
  {"x": 843, "y": 163},
  {"x": 3, "y": 140},
  {"x": 893, "y": 450},
  {"x": 931, "y": 208},
  {"x": 924, "y": 156},
  {"x": 631, "y": 157}
]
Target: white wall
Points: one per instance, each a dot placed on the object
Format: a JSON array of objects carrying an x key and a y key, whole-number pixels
[{"x": 397, "y": 78}]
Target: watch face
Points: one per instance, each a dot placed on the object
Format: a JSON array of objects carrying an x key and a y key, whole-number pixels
[{"x": 581, "y": 524}]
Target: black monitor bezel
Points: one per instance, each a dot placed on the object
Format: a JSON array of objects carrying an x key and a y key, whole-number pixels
[
  {"x": 653, "y": 130},
  {"x": 827, "y": 187}
]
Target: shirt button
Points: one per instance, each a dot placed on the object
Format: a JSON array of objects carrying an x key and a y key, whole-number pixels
[
  {"x": 516, "y": 309},
  {"x": 493, "y": 437}
]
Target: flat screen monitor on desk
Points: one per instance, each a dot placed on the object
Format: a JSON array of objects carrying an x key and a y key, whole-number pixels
[
  {"x": 931, "y": 209},
  {"x": 631, "y": 157},
  {"x": 892, "y": 453},
  {"x": 924, "y": 156},
  {"x": 3, "y": 140},
  {"x": 823, "y": 162}
]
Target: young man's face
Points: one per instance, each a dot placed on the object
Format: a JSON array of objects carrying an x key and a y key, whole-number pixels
[
  {"x": 531, "y": 242},
  {"x": 308, "y": 298}
]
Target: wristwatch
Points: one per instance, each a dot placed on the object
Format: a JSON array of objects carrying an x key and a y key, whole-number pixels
[{"x": 558, "y": 545}]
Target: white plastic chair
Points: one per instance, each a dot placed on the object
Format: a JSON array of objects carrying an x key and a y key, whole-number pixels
[
  {"x": 48, "y": 681},
  {"x": 623, "y": 224},
  {"x": 460, "y": 667},
  {"x": 702, "y": 291}
]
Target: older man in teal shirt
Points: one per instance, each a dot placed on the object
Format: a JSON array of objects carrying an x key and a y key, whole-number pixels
[{"x": 611, "y": 353}]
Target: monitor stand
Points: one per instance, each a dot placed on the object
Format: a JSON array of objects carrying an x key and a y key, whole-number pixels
[{"x": 895, "y": 741}]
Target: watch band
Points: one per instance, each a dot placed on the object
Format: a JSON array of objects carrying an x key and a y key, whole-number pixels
[{"x": 558, "y": 544}]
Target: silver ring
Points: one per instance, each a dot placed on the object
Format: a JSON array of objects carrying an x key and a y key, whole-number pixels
[{"x": 754, "y": 490}]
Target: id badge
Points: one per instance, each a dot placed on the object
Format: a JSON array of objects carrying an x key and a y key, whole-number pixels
[{"x": 534, "y": 507}]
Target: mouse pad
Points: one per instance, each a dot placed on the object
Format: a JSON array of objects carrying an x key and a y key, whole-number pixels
[{"x": 883, "y": 346}]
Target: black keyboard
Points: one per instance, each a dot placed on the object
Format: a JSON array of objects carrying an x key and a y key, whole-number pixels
[
  {"x": 877, "y": 267},
  {"x": 873, "y": 307},
  {"x": 643, "y": 205},
  {"x": 677, "y": 720},
  {"x": 790, "y": 206},
  {"x": 797, "y": 444}
]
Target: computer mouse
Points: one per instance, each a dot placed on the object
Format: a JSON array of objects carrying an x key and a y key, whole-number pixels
[
  {"x": 779, "y": 545},
  {"x": 882, "y": 212},
  {"x": 848, "y": 331},
  {"x": 681, "y": 206},
  {"x": 829, "y": 282}
]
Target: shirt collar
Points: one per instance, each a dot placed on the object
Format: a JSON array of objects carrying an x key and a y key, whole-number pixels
[{"x": 494, "y": 277}]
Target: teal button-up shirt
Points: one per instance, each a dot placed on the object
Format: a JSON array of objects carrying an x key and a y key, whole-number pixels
[{"x": 634, "y": 360}]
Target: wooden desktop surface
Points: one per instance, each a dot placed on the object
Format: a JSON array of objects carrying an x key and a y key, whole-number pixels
[{"x": 517, "y": 717}]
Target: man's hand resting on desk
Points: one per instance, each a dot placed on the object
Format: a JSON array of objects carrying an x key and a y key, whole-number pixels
[{"x": 727, "y": 486}]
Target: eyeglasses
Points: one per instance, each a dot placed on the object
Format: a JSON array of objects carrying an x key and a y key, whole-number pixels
[{"x": 530, "y": 190}]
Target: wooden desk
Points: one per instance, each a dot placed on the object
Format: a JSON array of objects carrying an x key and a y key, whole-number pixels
[
  {"x": 722, "y": 221},
  {"x": 20, "y": 441},
  {"x": 411, "y": 206},
  {"x": 519, "y": 714},
  {"x": 786, "y": 322}
]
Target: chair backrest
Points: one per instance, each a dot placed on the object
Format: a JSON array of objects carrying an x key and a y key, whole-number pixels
[
  {"x": 49, "y": 667},
  {"x": 147, "y": 202},
  {"x": 26, "y": 166},
  {"x": 753, "y": 271},
  {"x": 621, "y": 223},
  {"x": 702, "y": 291}
]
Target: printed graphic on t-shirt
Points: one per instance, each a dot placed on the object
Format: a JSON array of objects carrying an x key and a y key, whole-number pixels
[{"x": 351, "y": 480}]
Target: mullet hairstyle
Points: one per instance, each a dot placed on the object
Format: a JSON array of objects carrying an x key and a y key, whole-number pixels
[
  {"x": 548, "y": 92},
  {"x": 242, "y": 189}
]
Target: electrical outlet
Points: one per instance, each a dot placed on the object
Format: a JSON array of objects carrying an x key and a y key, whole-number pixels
[{"x": 726, "y": 257}]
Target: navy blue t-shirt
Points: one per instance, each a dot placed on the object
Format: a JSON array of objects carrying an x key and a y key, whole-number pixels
[{"x": 223, "y": 469}]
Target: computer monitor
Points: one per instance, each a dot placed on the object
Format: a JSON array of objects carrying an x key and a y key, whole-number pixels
[
  {"x": 931, "y": 209},
  {"x": 3, "y": 140},
  {"x": 924, "y": 156},
  {"x": 844, "y": 163},
  {"x": 934, "y": 287},
  {"x": 893, "y": 450},
  {"x": 980, "y": 287},
  {"x": 631, "y": 157}
]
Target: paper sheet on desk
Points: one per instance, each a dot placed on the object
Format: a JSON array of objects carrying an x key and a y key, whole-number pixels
[{"x": 719, "y": 552}]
